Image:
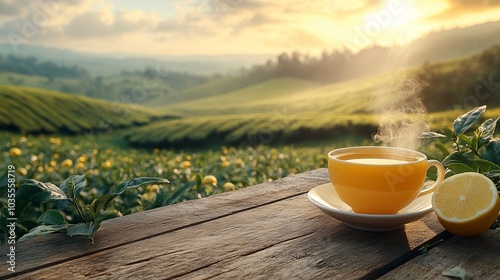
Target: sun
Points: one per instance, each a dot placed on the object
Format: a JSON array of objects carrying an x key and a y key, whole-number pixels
[
  {"x": 394, "y": 22},
  {"x": 403, "y": 16}
]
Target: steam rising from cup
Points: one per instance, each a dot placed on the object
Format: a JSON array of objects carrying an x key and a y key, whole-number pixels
[{"x": 400, "y": 109}]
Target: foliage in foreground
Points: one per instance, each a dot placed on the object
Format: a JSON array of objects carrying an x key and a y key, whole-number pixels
[
  {"x": 192, "y": 174},
  {"x": 473, "y": 152},
  {"x": 91, "y": 215}
]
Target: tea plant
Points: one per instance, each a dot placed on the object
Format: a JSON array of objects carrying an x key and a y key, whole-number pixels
[
  {"x": 91, "y": 215},
  {"x": 104, "y": 164},
  {"x": 474, "y": 151}
]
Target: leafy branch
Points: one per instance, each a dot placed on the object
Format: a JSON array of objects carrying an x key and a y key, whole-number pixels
[
  {"x": 474, "y": 151},
  {"x": 92, "y": 215}
]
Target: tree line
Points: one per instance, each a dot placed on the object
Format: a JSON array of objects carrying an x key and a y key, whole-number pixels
[
  {"x": 47, "y": 69},
  {"x": 329, "y": 67},
  {"x": 462, "y": 84}
]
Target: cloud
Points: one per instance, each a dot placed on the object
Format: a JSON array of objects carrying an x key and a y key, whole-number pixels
[
  {"x": 214, "y": 26},
  {"x": 461, "y": 7},
  {"x": 15, "y": 8},
  {"x": 40, "y": 15},
  {"x": 107, "y": 23}
]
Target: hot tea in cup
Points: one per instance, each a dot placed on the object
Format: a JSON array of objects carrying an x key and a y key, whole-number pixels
[{"x": 380, "y": 180}]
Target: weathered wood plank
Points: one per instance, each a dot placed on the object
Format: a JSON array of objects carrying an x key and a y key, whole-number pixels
[
  {"x": 57, "y": 248},
  {"x": 283, "y": 239},
  {"x": 479, "y": 256}
]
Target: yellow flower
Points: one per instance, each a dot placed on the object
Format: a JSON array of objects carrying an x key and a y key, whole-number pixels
[
  {"x": 79, "y": 165},
  {"x": 67, "y": 163},
  {"x": 56, "y": 156},
  {"x": 55, "y": 141},
  {"x": 15, "y": 152},
  {"x": 22, "y": 171},
  {"x": 240, "y": 163},
  {"x": 82, "y": 158},
  {"x": 50, "y": 169},
  {"x": 107, "y": 164},
  {"x": 53, "y": 163},
  {"x": 225, "y": 163},
  {"x": 153, "y": 188},
  {"x": 228, "y": 186},
  {"x": 209, "y": 180},
  {"x": 149, "y": 196},
  {"x": 185, "y": 164}
]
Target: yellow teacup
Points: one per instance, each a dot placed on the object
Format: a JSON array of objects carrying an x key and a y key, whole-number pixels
[{"x": 380, "y": 180}]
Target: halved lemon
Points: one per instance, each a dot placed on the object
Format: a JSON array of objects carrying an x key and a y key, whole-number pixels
[{"x": 466, "y": 204}]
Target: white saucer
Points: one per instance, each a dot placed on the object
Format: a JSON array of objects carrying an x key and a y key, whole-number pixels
[{"x": 325, "y": 198}]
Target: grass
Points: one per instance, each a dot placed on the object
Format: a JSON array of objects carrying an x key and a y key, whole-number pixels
[
  {"x": 284, "y": 110},
  {"x": 290, "y": 95},
  {"x": 212, "y": 88},
  {"x": 31, "y": 110}
]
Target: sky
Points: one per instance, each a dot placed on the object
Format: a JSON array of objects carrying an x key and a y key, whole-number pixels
[{"x": 224, "y": 27}]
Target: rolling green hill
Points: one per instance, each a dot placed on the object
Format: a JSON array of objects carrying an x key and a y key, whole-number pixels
[
  {"x": 267, "y": 96},
  {"x": 32, "y": 110},
  {"x": 283, "y": 109},
  {"x": 276, "y": 110},
  {"x": 211, "y": 88},
  {"x": 290, "y": 109}
]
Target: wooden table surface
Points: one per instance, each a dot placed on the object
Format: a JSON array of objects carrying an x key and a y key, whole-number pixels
[{"x": 268, "y": 231}]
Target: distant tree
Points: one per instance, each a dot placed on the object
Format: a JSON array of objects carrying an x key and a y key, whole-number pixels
[{"x": 47, "y": 69}]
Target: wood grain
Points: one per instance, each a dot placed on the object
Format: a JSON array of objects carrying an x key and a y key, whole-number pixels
[
  {"x": 57, "y": 248},
  {"x": 285, "y": 239},
  {"x": 479, "y": 256}
]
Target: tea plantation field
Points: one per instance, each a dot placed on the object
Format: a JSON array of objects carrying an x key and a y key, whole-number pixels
[
  {"x": 54, "y": 158},
  {"x": 31, "y": 110}
]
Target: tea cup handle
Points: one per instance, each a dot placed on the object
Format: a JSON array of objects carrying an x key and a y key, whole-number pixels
[{"x": 440, "y": 176}]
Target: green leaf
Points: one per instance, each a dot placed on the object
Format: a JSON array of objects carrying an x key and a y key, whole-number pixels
[
  {"x": 43, "y": 230},
  {"x": 73, "y": 185},
  {"x": 459, "y": 157},
  {"x": 466, "y": 140},
  {"x": 98, "y": 204},
  {"x": 486, "y": 165},
  {"x": 178, "y": 194},
  {"x": 35, "y": 191},
  {"x": 137, "y": 182},
  {"x": 458, "y": 167},
  {"x": 492, "y": 152},
  {"x": 87, "y": 213},
  {"x": 465, "y": 121},
  {"x": 198, "y": 179},
  {"x": 430, "y": 134},
  {"x": 52, "y": 217},
  {"x": 487, "y": 128},
  {"x": 82, "y": 229},
  {"x": 495, "y": 177}
]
